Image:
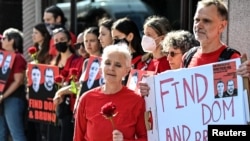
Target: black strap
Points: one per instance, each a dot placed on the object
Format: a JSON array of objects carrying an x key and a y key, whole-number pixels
[
  {"x": 189, "y": 55},
  {"x": 225, "y": 55}
]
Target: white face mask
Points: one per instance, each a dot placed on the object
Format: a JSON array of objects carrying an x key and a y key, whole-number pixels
[{"x": 148, "y": 44}]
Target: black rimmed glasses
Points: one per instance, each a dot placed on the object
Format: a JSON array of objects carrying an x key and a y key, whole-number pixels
[
  {"x": 78, "y": 45},
  {"x": 171, "y": 53}
]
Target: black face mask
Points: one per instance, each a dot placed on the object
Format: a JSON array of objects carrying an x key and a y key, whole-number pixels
[
  {"x": 118, "y": 41},
  {"x": 61, "y": 46}
]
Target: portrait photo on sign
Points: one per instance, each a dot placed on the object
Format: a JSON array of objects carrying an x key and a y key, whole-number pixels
[
  {"x": 225, "y": 80},
  {"x": 136, "y": 76},
  {"x": 41, "y": 81},
  {"x": 6, "y": 63},
  {"x": 92, "y": 74}
]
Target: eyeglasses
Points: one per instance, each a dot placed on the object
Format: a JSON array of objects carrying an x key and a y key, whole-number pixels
[
  {"x": 171, "y": 53},
  {"x": 78, "y": 45}
]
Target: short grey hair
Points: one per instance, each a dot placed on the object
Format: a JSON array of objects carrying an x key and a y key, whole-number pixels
[
  {"x": 117, "y": 48},
  {"x": 220, "y": 4},
  {"x": 184, "y": 40}
]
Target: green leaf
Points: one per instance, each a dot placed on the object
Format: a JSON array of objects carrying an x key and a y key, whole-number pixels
[{"x": 73, "y": 87}]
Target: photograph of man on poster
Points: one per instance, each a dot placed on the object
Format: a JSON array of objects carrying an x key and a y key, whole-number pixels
[
  {"x": 35, "y": 78},
  {"x": 49, "y": 79},
  {"x": 93, "y": 71},
  {"x": 133, "y": 81},
  {"x": 48, "y": 88},
  {"x": 93, "y": 78},
  {"x": 231, "y": 90},
  {"x": 220, "y": 89}
]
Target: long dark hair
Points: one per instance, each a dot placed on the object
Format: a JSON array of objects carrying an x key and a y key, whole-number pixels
[
  {"x": 126, "y": 26},
  {"x": 56, "y": 11},
  {"x": 43, "y": 56}
]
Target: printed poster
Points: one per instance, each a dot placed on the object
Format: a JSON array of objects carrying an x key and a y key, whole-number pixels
[
  {"x": 136, "y": 76},
  {"x": 42, "y": 89},
  {"x": 6, "y": 63},
  {"x": 91, "y": 77}
]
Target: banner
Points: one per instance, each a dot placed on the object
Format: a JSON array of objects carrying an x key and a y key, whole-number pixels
[{"x": 184, "y": 102}]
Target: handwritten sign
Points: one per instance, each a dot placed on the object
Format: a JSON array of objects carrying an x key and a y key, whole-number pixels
[{"x": 184, "y": 102}]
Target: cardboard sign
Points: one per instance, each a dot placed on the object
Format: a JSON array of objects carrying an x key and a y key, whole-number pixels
[
  {"x": 42, "y": 89},
  {"x": 182, "y": 102}
]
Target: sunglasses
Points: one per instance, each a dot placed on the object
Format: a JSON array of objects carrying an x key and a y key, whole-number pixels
[
  {"x": 78, "y": 45},
  {"x": 171, "y": 53}
]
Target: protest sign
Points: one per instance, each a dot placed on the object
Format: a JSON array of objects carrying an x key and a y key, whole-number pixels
[
  {"x": 42, "y": 89},
  {"x": 184, "y": 102},
  {"x": 136, "y": 76},
  {"x": 6, "y": 65}
]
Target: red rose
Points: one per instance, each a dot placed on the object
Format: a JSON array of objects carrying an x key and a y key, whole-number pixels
[
  {"x": 59, "y": 79},
  {"x": 65, "y": 73},
  {"x": 108, "y": 110},
  {"x": 73, "y": 71},
  {"x": 32, "y": 50}
]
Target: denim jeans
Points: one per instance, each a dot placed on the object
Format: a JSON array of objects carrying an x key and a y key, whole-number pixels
[{"x": 12, "y": 119}]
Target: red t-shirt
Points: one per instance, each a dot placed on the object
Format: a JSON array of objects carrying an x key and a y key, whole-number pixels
[
  {"x": 73, "y": 61},
  {"x": 156, "y": 65},
  {"x": 90, "y": 124},
  {"x": 200, "y": 58}
]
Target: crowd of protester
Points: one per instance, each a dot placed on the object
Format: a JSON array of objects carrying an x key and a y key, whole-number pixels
[{"x": 121, "y": 47}]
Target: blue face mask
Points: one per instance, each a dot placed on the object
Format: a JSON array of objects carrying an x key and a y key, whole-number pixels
[{"x": 61, "y": 46}]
